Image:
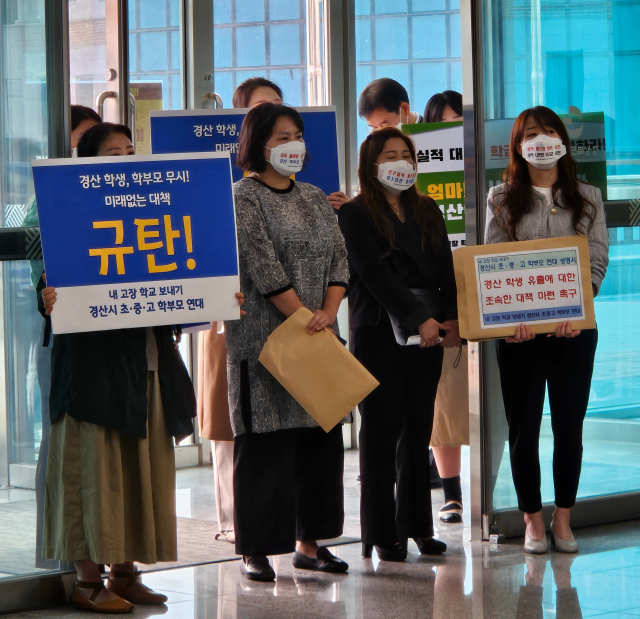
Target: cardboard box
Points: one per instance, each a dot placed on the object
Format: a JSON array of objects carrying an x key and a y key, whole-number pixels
[{"x": 538, "y": 283}]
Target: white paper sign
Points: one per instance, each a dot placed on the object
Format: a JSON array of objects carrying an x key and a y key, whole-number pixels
[
  {"x": 441, "y": 150},
  {"x": 529, "y": 287}
]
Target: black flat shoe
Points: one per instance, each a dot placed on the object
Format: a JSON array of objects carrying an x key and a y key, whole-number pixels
[
  {"x": 257, "y": 568},
  {"x": 326, "y": 562},
  {"x": 430, "y": 546},
  {"x": 451, "y": 512},
  {"x": 397, "y": 553}
]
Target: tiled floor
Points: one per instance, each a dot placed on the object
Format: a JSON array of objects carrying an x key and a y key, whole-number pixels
[{"x": 472, "y": 580}]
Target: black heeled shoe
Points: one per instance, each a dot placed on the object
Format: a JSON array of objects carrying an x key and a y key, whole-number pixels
[
  {"x": 430, "y": 546},
  {"x": 397, "y": 553}
]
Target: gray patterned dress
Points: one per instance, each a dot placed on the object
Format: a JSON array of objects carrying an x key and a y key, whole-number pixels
[{"x": 286, "y": 239}]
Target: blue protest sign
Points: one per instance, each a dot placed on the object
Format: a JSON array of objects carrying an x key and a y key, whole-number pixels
[
  {"x": 200, "y": 131},
  {"x": 138, "y": 241}
]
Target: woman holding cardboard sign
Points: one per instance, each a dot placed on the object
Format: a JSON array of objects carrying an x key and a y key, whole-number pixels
[
  {"x": 288, "y": 471},
  {"x": 402, "y": 292},
  {"x": 542, "y": 198}
]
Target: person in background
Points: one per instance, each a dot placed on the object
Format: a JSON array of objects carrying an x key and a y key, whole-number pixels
[
  {"x": 451, "y": 414},
  {"x": 444, "y": 107},
  {"x": 110, "y": 484},
  {"x": 213, "y": 404},
  {"x": 397, "y": 245},
  {"x": 82, "y": 119},
  {"x": 385, "y": 103},
  {"x": 545, "y": 199},
  {"x": 288, "y": 472},
  {"x": 256, "y": 90},
  {"x": 382, "y": 103}
]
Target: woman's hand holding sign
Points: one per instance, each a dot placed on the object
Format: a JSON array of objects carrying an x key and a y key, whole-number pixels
[
  {"x": 523, "y": 333},
  {"x": 564, "y": 330}
]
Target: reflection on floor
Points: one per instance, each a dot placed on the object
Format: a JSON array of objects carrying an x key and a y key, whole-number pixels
[
  {"x": 472, "y": 580},
  {"x": 196, "y": 509}
]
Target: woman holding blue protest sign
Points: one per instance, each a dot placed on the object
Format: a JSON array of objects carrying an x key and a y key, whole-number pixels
[
  {"x": 288, "y": 473},
  {"x": 402, "y": 296},
  {"x": 118, "y": 400},
  {"x": 545, "y": 199}
]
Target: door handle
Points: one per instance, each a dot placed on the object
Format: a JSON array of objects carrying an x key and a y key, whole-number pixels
[
  {"x": 217, "y": 99},
  {"x": 132, "y": 117},
  {"x": 100, "y": 99}
]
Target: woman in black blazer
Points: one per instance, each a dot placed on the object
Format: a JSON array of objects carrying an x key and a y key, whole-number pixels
[{"x": 397, "y": 243}]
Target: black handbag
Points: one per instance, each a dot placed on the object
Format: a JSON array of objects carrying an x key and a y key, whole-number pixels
[{"x": 432, "y": 300}]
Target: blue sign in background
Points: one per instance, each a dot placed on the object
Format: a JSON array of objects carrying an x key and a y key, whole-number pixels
[
  {"x": 68, "y": 211},
  {"x": 171, "y": 133}
]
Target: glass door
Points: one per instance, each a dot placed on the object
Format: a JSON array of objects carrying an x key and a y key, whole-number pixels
[
  {"x": 575, "y": 59},
  {"x": 282, "y": 40},
  {"x": 105, "y": 40}
]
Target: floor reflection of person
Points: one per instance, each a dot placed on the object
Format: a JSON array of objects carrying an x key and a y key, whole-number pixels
[
  {"x": 449, "y": 585},
  {"x": 110, "y": 483},
  {"x": 544, "y": 199},
  {"x": 82, "y": 119},
  {"x": 531, "y": 594}
]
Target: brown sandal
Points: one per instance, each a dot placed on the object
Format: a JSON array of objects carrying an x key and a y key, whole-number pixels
[
  {"x": 81, "y": 601},
  {"x": 142, "y": 595}
]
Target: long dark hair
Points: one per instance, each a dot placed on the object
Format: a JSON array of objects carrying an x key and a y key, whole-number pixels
[
  {"x": 518, "y": 200},
  {"x": 424, "y": 210},
  {"x": 435, "y": 106},
  {"x": 92, "y": 140}
]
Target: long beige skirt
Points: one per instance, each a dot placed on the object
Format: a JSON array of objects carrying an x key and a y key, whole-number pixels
[
  {"x": 451, "y": 412},
  {"x": 109, "y": 495}
]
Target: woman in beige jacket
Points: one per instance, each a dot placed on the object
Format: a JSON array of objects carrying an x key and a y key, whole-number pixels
[{"x": 451, "y": 413}]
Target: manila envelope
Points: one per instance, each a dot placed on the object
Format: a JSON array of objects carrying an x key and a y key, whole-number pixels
[
  {"x": 317, "y": 370},
  {"x": 466, "y": 281}
]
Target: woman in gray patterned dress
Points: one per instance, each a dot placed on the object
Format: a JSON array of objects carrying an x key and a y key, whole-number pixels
[{"x": 288, "y": 472}]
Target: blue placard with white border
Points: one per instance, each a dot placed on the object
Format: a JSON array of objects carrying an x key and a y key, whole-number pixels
[
  {"x": 138, "y": 241},
  {"x": 197, "y": 131}
]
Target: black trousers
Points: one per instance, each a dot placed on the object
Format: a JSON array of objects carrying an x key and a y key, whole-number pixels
[
  {"x": 287, "y": 486},
  {"x": 565, "y": 366},
  {"x": 397, "y": 419}
]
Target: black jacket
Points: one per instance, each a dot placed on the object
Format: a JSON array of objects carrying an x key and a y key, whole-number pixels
[
  {"x": 101, "y": 377},
  {"x": 376, "y": 281}
]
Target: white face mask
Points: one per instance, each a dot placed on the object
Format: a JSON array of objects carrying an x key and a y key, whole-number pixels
[
  {"x": 543, "y": 151},
  {"x": 399, "y": 125},
  {"x": 397, "y": 175},
  {"x": 288, "y": 158}
]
